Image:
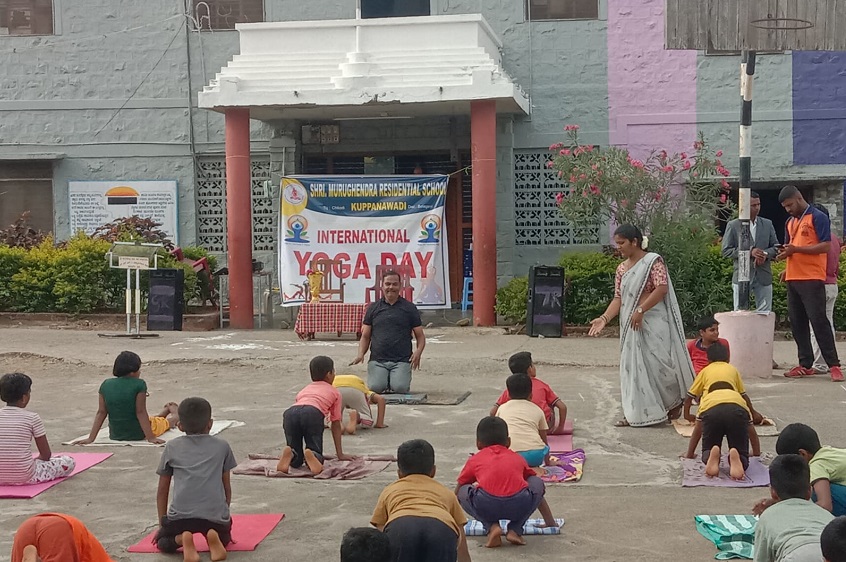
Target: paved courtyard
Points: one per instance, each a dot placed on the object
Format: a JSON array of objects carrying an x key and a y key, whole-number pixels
[{"x": 629, "y": 506}]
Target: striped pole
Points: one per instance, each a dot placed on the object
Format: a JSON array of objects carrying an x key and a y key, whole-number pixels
[{"x": 744, "y": 258}]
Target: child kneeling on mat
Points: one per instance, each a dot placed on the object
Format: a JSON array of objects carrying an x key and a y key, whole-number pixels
[
  {"x": 18, "y": 427},
  {"x": 421, "y": 517},
  {"x": 542, "y": 395},
  {"x": 199, "y": 464},
  {"x": 356, "y": 397},
  {"x": 497, "y": 483},
  {"x": 123, "y": 400},
  {"x": 527, "y": 425},
  {"x": 303, "y": 422},
  {"x": 56, "y": 537},
  {"x": 827, "y": 467}
]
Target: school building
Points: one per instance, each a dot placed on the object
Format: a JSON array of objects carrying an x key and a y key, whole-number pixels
[{"x": 169, "y": 89}]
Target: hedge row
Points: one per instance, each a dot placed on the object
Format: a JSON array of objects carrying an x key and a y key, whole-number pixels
[
  {"x": 702, "y": 288},
  {"x": 74, "y": 277}
]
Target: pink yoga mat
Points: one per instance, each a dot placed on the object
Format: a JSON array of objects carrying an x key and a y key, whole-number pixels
[
  {"x": 247, "y": 532},
  {"x": 84, "y": 461},
  {"x": 562, "y": 443}
]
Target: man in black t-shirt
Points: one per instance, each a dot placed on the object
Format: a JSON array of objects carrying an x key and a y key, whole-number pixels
[{"x": 386, "y": 330}]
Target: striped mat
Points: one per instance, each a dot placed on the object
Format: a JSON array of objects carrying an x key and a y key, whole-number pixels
[{"x": 733, "y": 535}]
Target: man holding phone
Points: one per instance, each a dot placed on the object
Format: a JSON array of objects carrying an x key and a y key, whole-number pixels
[{"x": 807, "y": 242}]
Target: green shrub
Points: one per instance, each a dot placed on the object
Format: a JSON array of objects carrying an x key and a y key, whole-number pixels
[
  {"x": 11, "y": 261},
  {"x": 590, "y": 285},
  {"x": 511, "y": 300}
]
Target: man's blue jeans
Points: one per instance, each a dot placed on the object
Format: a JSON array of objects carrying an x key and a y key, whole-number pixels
[{"x": 393, "y": 375}]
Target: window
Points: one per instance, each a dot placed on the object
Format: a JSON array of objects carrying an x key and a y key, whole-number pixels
[
  {"x": 537, "y": 220},
  {"x": 26, "y": 17},
  {"x": 27, "y": 187},
  {"x": 562, "y": 10},
  {"x": 394, "y": 8},
  {"x": 224, "y": 14}
]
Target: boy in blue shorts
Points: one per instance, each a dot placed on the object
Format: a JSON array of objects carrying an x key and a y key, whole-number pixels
[
  {"x": 496, "y": 483},
  {"x": 526, "y": 422}
]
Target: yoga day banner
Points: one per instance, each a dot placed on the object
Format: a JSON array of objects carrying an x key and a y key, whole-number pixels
[{"x": 364, "y": 222}]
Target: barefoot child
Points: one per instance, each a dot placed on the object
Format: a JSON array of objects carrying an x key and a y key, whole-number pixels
[
  {"x": 123, "y": 400},
  {"x": 709, "y": 334},
  {"x": 542, "y": 394},
  {"x": 496, "y": 483},
  {"x": 357, "y": 398},
  {"x": 833, "y": 540},
  {"x": 421, "y": 517},
  {"x": 527, "y": 425},
  {"x": 303, "y": 422},
  {"x": 789, "y": 531},
  {"x": 199, "y": 465},
  {"x": 56, "y": 537},
  {"x": 18, "y": 428}
]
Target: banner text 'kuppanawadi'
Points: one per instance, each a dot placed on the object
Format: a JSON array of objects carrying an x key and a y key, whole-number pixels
[{"x": 377, "y": 190}]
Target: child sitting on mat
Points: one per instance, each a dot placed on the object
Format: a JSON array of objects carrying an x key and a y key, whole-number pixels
[
  {"x": 199, "y": 464},
  {"x": 421, "y": 517},
  {"x": 542, "y": 394},
  {"x": 365, "y": 544},
  {"x": 718, "y": 369},
  {"x": 123, "y": 400},
  {"x": 833, "y": 540},
  {"x": 527, "y": 425},
  {"x": 303, "y": 422},
  {"x": 356, "y": 397},
  {"x": 496, "y": 483},
  {"x": 18, "y": 428},
  {"x": 56, "y": 537},
  {"x": 827, "y": 467},
  {"x": 789, "y": 531},
  {"x": 709, "y": 334}
]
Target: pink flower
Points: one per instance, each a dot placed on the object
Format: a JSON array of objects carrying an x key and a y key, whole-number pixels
[
  {"x": 594, "y": 167},
  {"x": 564, "y": 152},
  {"x": 584, "y": 193},
  {"x": 723, "y": 198},
  {"x": 686, "y": 165},
  {"x": 560, "y": 174},
  {"x": 667, "y": 169},
  {"x": 556, "y": 146},
  {"x": 571, "y": 128},
  {"x": 658, "y": 196},
  {"x": 582, "y": 176},
  {"x": 559, "y": 197},
  {"x": 637, "y": 164},
  {"x": 698, "y": 145},
  {"x": 725, "y": 185},
  {"x": 550, "y": 163},
  {"x": 683, "y": 155},
  {"x": 594, "y": 189},
  {"x": 572, "y": 178},
  {"x": 719, "y": 153}
]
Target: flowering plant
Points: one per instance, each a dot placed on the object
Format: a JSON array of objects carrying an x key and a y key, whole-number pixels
[{"x": 610, "y": 186}]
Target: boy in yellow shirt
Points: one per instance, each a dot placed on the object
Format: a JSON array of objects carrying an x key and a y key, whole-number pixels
[{"x": 357, "y": 398}]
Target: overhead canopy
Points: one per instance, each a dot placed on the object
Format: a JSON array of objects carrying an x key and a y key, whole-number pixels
[{"x": 372, "y": 68}]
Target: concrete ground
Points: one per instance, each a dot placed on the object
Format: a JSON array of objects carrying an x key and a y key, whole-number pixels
[{"x": 629, "y": 506}]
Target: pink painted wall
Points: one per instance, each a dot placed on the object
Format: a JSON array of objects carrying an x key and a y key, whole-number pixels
[{"x": 651, "y": 92}]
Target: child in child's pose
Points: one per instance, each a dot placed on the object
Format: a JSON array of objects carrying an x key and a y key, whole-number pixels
[
  {"x": 542, "y": 394},
  {"x": 303, "y": 422},
  {"x": 833, "y": 540},
  {"x": 421, "y": 517},
  {"x": 789, "y": 531},
  {"x": 356, "y": 397},
  {"x": 718, "y": 370},
  {"x": 365, "y": 544},
  {"x": 56, "y": 537},
  {"x": 827, "y": 467},
  {"x": 123, "y": 399},
  {"x": 497, "y": 483},
  {"x": 527, "y": 425},
  {"x": 18, "y": 428},
  {"x": 199, "y": 464},
  {"x": 709, "y": 334}
]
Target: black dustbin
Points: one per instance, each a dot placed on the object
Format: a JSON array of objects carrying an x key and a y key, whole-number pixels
[
  {"x": 545, "y": 306},
  {"x": 166, "y": 300}
]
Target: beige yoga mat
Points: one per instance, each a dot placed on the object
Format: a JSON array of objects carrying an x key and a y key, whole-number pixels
[
  {"x": 103, "y": 437},
  {"x": 767, "y": 429}
]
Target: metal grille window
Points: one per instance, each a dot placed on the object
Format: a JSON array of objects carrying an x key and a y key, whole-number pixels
[
  {"x": 536, "y": 217},
  {"x": 224, "y": 14},
  {"x": 26, "y": 17},
  {"x": 211, "y": 205},
  {"x": 562, "y": 10}
]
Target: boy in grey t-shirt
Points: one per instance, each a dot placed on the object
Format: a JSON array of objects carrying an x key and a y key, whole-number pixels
[
  {"x": 199, "y": 466},
  {"x": 789, "y": 530}
]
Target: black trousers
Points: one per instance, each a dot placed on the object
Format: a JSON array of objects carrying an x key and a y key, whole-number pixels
[
  {"x": 806, "y": 304},
  {"x": 170, "y": 529},
  {"x": 303, "y": 424},
  {"x": 730, "y": 421},
  {"x": 422, "y": 539}
]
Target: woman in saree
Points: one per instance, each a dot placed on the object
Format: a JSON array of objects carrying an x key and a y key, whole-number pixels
[{"x": 655, "y": 369}]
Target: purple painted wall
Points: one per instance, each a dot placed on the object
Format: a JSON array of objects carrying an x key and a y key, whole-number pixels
[
  {"x": 651, "y": 92},
  {"x": 819, "y": 107}
]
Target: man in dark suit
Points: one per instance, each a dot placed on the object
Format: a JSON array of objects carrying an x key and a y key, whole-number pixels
[{"x": 763, "y": 252}]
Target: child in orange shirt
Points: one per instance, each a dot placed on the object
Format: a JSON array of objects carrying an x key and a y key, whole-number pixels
[{"x": 56, "y": 537}]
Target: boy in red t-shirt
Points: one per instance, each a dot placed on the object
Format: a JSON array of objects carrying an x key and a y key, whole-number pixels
[
  {"x": 709, "y": 334},
  {"x": 542, "y": 394},
  {"x": 496, "y": 483},
  {"x": 303, "y": 422}
]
